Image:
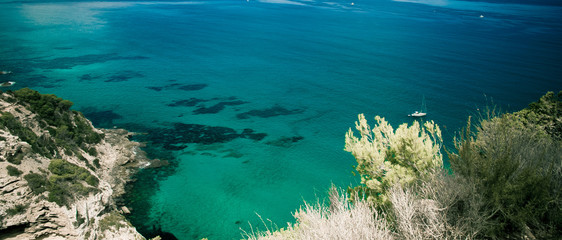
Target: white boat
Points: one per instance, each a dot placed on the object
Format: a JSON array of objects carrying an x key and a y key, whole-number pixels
[
  {"x": 420, "y": 113},
  {"x": 417, "y": 114}
]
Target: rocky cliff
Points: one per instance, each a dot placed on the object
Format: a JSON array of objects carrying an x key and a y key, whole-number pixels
[{"x": 59, "y": 176}]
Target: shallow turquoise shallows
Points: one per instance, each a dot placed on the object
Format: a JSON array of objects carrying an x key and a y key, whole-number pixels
[{"x": 249, "y": 101}]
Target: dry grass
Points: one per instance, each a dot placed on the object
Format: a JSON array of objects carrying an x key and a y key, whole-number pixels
[
  {"x": 443, "y": 207},
  {"x": 341, "y": 219}
]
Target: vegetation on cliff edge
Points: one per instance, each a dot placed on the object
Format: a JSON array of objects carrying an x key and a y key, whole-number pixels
[
  {"x": 506, "y": 182},
  {"x": 68, "y": 129}
]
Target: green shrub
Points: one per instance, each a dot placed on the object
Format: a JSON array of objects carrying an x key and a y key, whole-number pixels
[
  {"x": 546, "y": 113},
  {"x": 39, "y": 145},
  {"x": 63, "y": 192},
  {"x": 112, "y": 220},
  {"x": 47, "y": 147},
  {"x": 18, "y": 209},
  {"x": 59, "y": 193},
  {"x": 92, "y": 151},
  {"x": 49, "y": 107},
  {"x": 68, "y": 171},
  {"x": 13, "y": 171},
  {"x": 14, "y": 158},
  {"x": 64, "y": 183},
  {"x": 516, "y": 166},
  {"x": 97, "y": 163},
  {"x": 36, "y": 182},
  {"x": 63, "y": 168},
  {"x": 83, "y": 159},
  {"x": 92, "y": 180},
  {"x": 9, "y": 122}
]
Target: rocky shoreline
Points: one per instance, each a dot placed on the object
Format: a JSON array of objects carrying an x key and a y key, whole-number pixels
[{"x": 27, "y": 213}]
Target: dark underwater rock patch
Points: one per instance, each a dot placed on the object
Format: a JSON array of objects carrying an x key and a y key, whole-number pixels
[
  {"x": 209, "y": 147},
  {"x": 202, "y": 109},
  {"x": 187, "y": 102},
  {"x": 124, "y": 76},
  {"x": 17, "y": 65},
  {"x": 101, "y": 118},
  {"x": 183, "y": 87},
  {"x": 51, "y": 84},
  {"x": 285, "y": 142},
  {"x": 39, "y": 80},
  {"x": 269, "y": 112},
  {"x": 233, "y": 154},
  {"x": 217, "y": 107},
  {"x": 88, "y": 77},
  {"x": 193, "y": 87},
  {"x": 251, "y": 134},
  {"x": 172, "y": 147},
  {"x": 158, "y": 89},
  {"x": 180, "y": 135},
  {"x": 197, "y": 133},
  {"x": 208, "y": 154}
]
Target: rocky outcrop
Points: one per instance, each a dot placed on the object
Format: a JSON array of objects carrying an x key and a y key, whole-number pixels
[{"x": 29, "y": 208}]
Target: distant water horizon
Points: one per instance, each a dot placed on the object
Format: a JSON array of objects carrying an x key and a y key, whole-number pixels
[{"x": 249, "y": 101}]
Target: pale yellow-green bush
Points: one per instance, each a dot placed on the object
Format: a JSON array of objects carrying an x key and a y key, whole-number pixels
[{"x": 386, "y": 157}]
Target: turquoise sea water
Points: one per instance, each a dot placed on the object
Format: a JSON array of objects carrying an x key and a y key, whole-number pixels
[{"x": 250, "y": 101}]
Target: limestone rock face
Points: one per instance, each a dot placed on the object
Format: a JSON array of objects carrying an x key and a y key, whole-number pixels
[{"x": 28, "y": 212}]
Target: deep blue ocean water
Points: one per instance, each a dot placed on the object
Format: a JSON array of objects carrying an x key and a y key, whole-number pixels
[{"x": 249, "y": 101}]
